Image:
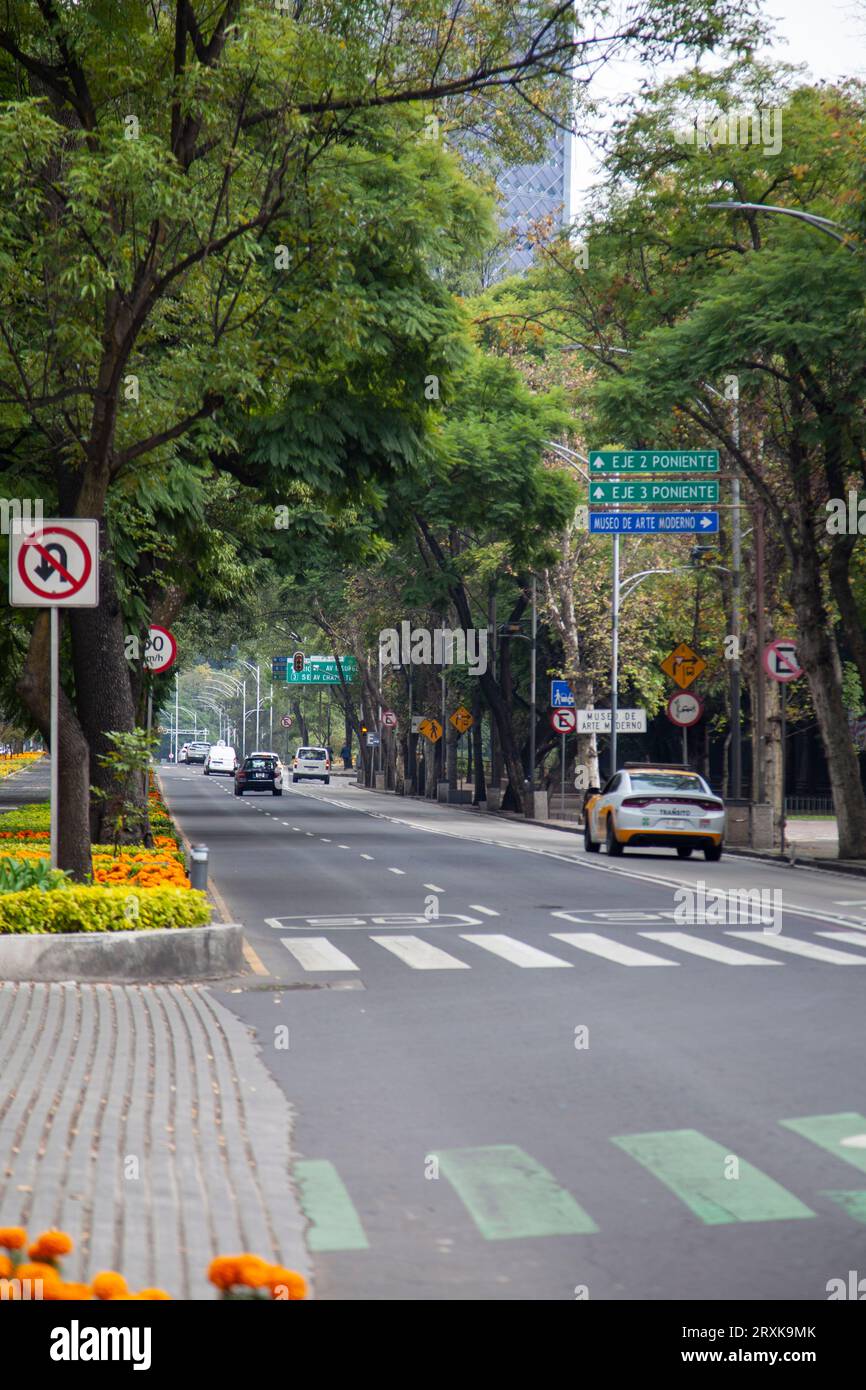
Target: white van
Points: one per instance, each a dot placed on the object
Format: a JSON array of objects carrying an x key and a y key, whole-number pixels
[
  {"x": 311, "y": 763},
  {"x": 221, "y": 758}
]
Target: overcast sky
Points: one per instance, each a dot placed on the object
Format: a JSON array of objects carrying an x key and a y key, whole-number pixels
[{"x": 829, "y": 36}]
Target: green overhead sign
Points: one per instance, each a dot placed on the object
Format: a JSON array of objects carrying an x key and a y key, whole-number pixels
[
  {"x": 321, "y": 672},
  {"x": 654, "y": 461},
  {"x": 645, "y": 490}
]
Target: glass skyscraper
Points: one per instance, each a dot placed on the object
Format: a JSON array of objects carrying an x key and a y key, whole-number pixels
[{"x": 528, "y": 193}]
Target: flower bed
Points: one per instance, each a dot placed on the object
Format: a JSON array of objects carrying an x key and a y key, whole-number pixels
[
  {"x": 101, "y": 908},
  {"x": 17, "y": 761},
  {"x": 133, "y": 888},
  {"x": 39, "y": 1276}
]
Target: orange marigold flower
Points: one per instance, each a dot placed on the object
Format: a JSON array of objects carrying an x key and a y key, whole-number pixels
[
  {"x": 154, "y": 1295},
  {"x": 223, "y": 1271},
  {"x": 5, "y": 1266},
  {"x": 253, "y": 1271},
  {"x": 108, "y": 1283},
  {"x": 68, "y": 1293},
  {"x": 50, "y": 1244},
  {"x": 283, "y": 1282},
  {"x": 36, "y": 1270},
  {"x": 12, "y": 1237}
]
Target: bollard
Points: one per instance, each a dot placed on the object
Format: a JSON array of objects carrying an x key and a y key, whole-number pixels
[{"x": 198, "y": 861}]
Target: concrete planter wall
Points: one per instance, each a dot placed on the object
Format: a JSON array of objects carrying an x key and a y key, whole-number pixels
[{"x": 144, "y": 957}]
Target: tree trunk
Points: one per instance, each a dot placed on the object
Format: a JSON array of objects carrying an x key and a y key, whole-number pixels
[
  {"x": 104, "y": 696},
  {"x": 817, "y": 654},
  {"x": 479, "y": 790},
  {"x": 73, "y": 849}
]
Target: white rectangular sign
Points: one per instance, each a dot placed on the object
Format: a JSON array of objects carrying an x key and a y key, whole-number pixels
[
  {"x": 55, "y": 565},
  {"x": 597, "y": 721}
]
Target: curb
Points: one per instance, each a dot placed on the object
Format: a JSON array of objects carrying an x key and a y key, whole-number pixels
[{"x": 127, "y": 957}]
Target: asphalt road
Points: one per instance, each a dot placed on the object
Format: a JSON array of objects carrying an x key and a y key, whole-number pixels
[{"x": 513, "y": 1076}]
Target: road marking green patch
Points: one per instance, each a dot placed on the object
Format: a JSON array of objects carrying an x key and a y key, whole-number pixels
[
  {"x": 335, "y": 1225},
  {"x": 509, "y": 1195},
  {"x": 852, "y": 1203},
  {"x": 842, "y": 1134},
  {"x": 694, "y": 1168}
]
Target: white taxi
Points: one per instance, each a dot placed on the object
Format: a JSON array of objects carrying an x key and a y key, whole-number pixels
[{"x": 652, "y": 805}]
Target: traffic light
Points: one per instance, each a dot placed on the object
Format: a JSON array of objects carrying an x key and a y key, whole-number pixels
[
  {"x": 298, "y": 662},
  {"x": 363, "y": 730}
]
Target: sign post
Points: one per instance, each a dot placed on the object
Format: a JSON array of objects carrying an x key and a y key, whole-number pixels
[
  {"x": 781, "y": 664},
  {"x": 55, "y": 566}
]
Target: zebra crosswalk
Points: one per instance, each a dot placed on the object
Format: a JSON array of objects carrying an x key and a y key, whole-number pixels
[
  {"x": 320, "y": 954},
  {"x": 508, "y": 1194}
]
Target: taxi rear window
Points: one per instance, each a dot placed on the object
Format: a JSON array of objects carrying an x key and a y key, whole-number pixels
[
  {"x": 665, "y": 781},
  {"x": 318, "y": 753}
]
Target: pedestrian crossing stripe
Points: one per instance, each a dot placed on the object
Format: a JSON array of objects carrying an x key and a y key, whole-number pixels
[
  {"x": 510, "y": 1196},
  {"x": 699, "y": 1172},
  {"x": 334, "y": 1222},
  {"x": 830, "y": 1132},
  {"x": 319, "y": 954}
]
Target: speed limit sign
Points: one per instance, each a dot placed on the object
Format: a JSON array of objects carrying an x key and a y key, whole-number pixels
[{"x": 160, "y": 650}]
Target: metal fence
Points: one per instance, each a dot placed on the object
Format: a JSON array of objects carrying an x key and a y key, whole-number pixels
[{"x": 816, "y": 805}]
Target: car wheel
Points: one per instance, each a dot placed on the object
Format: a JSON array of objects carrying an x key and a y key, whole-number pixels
[
  {"x": 294, "y": 779},
  {"x": 327, "y": 781},
  {"x": 590, "y": 845},
  {"x": 239, "y": 791},
  {"x": 684, "y": 851},
  {"x": 613, "y": 845},
  {"x": 278, "y": 792},
  {"x": 713, "y": 853},
  {"x": 205, "y": 771}
]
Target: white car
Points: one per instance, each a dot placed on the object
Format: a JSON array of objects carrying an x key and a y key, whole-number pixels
[
  {"x": 655, "y": 804},
  {"x": 221, "y": 758},
  {"x": 310, "y": 764}
]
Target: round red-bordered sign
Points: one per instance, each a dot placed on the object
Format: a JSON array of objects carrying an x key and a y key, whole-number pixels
[
  {"x": 684, "y": 708},
  {"x": 563, "y": 721},
  {"x": 780, "y": 660},
  {"x": 37, "y": 543},
  {"x": 161, "y": 649}
]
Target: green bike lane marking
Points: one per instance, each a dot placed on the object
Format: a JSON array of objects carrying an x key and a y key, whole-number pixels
[
  {"x": 509, "y": 1196},
  {"x": 852, "y": 1203},
  {"x": 830, "y": 1132},
  {"x": 844, "y": 1136},
  {"x": 335, "y": 1224},
  {"x": 693, "y": 1167}
]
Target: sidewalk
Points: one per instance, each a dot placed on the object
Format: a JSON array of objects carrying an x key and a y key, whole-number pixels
[{"x": 141, "y": 1121}]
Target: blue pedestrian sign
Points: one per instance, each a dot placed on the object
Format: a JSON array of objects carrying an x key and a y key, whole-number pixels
[
  {"x": 654, "y": 523},
  {"x": 561, "y": 695}
]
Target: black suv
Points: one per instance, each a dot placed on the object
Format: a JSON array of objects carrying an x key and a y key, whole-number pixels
[{"x": 259, "y": 773}]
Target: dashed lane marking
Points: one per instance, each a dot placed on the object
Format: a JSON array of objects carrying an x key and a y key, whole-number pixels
[{"x": 488, "y": 911}]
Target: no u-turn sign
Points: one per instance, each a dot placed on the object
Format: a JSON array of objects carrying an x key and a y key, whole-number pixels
[{"x": 55, "y": 565}]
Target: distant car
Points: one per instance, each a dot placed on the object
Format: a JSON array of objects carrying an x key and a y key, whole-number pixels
[
  {"x": 196, "y": 752},
  {"x": 221, "y": 758},
  {"x": 259, "y": 772},
  {"x": 182, "y": 755},
  {"x": 655, "y": 805},
  {"x": 311, "y": 764}
]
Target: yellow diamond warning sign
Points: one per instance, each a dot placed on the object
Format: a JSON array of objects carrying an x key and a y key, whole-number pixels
[
  {"x": 683, "y": 665},
  {"x": 431, "y": 729},
  {"x": 462, "y": 719}
]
